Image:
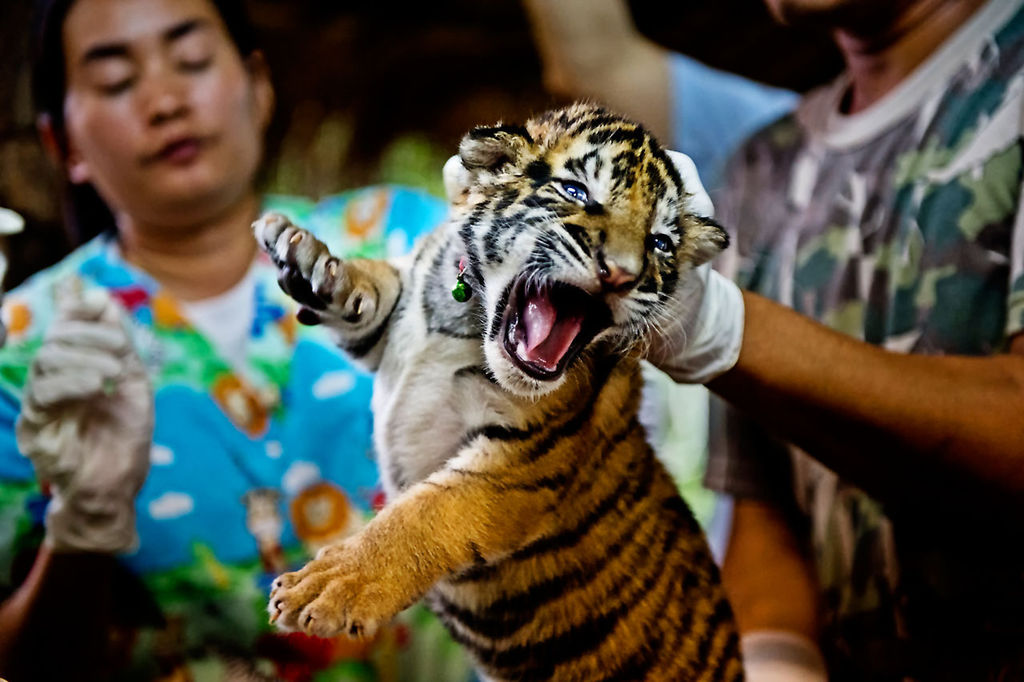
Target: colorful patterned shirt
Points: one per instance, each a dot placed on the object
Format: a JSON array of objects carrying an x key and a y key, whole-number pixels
[
  {"x": 901, "y": 225},
  {"x": 256, "y": 462}
]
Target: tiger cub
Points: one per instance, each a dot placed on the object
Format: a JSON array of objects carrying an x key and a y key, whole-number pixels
[{"x": 525, "y": 503}]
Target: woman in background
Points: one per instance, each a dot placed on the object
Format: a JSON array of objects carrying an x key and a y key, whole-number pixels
[{"x": 170, "y": 439}]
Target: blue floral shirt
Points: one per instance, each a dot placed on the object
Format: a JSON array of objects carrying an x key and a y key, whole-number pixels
[{"x": 256, "y": 462}]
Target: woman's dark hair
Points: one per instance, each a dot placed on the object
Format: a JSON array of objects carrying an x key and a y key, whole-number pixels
[{"x": 86, "y": 214}]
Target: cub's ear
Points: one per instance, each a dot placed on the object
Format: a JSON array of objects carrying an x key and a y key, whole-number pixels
[
  {"x": 704, "y": 238},
  {"x": 489, "y": 148}
]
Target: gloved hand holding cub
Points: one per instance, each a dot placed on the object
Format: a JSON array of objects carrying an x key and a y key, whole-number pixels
[
  {"x": 87, "y": 423},
  {"x": 702, "y": 338}
]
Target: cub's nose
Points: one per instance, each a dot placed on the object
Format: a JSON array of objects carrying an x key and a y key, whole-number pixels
[{"x": 615, "y": 277}]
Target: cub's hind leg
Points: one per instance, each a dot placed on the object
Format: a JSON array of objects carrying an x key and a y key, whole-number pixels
[{"x": 354, "y": 298}]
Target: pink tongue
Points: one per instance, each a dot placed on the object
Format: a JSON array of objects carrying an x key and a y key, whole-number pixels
[{"x": 547, "y": 337}]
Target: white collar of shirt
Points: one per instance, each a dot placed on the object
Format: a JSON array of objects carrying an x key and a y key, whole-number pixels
[{"x": 819, "y": 112}]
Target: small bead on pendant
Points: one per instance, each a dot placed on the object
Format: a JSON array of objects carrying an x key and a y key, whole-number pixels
[{"x": 461, "y": 292}]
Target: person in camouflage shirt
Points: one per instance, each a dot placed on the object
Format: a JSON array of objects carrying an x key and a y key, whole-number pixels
[
  {"x": 898, "y": 225},
  {"x": 887, "y": 208}
]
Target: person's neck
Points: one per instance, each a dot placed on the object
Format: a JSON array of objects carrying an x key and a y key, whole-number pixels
[
  {"x": 197, "y": 263},
  {"x": 878, "y": 60}
]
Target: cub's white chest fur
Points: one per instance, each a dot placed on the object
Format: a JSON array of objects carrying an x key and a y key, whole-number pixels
[{"x": 429, "y": 390}]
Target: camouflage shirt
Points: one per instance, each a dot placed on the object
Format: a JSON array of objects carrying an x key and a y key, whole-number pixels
[{"x": 902, "y": 226}]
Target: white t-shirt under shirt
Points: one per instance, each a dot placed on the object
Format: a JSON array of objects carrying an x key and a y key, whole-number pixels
[{"x": 226, "y": 319}]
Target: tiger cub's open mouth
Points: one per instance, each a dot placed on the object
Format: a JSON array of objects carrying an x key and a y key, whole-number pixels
[{"x": 546, "y": 325}]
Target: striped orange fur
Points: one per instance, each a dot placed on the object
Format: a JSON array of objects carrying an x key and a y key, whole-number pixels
[{"x": 525, "y": 504}]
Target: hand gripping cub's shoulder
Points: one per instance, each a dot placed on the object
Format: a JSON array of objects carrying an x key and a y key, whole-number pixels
[{"x": 525, "y": 504}]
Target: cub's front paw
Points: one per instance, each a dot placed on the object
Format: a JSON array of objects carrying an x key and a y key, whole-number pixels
[
  {"x": 330, "y": 596},
  {"x": 324, "y": 285}
]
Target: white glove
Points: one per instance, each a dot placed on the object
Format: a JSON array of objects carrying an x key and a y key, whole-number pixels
[
  {"x": 703, "y": 335},
  {"x": 781, "y": 656},
  {"x": 87, "y": 423}
]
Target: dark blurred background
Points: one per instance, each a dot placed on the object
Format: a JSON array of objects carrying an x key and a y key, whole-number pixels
[{"x": 381, "y": 92}]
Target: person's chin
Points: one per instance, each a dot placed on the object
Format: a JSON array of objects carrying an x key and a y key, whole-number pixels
[
  {"x": 210, "y": 184},
  {"x": 186, "y": 187},
  {"x": 203, "y": 176},
  {"x": 190, "y": 202},
  {"x": 827, "y": 14}
]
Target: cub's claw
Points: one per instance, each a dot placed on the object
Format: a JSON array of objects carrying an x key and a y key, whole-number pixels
[
  {"x": 328, "y": 289},
  {"x": 306, "y": 269},
  {"x": 333, "y": 595}
]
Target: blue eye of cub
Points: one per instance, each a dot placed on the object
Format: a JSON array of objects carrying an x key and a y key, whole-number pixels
[
  {"x": 659, "y": 242},
  {"x": 575, "y": 190}
]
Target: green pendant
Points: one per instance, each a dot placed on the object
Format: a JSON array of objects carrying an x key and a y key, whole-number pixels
[{"x": 461, "y": 292}]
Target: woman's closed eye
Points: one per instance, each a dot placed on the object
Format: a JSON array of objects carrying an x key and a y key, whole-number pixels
[
  {"x": 114, "y": 78},
  {"x": 116, "y": 88},
  {"x": 193, "y": 51},
  {"x": 195, "y": 65}
]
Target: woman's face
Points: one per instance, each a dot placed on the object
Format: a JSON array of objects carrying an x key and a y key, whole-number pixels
[{"x": 162, "y": 115}]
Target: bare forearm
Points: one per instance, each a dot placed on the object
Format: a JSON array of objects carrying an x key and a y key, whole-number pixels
[
  {"x": 590, "y": 48},
  {"x": 56, "y": 626},
  {"x": 781, "y": 593},
  {"x": 882, "y": 419}
]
